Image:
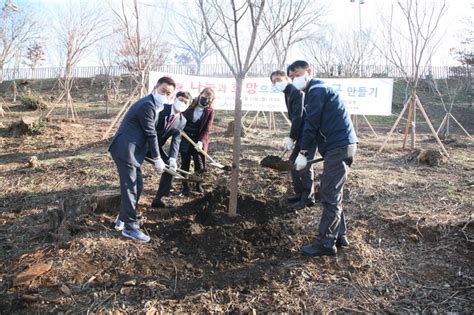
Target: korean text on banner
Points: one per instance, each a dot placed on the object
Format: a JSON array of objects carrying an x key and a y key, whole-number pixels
[{"x": 362, "y": 96}]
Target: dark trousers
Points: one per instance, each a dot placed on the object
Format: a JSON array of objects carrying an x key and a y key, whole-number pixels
[
  {"x": 198, "y": 159},
  {"x": 165, "y": 186},
  {"x": 131, "y": 187},
  {"x": 303, "y": 181},
  {"x": 335, "y": 170}
]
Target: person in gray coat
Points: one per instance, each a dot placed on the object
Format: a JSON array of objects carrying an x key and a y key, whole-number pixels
[
  {"x": 135, "y": 137},
  {"x": 170, "y": 124}
]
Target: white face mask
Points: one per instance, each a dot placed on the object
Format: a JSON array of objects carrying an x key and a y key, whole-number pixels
[
  {"x": 300, "y": 82},
  {"x": 280, "y": 85},
  {"x": 179, "y": 106},
  {"x": 159, "y": 98}
]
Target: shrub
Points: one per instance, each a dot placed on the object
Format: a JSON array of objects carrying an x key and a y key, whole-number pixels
[{"x": 33, "y": 102}]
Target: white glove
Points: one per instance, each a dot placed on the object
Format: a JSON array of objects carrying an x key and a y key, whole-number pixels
[
  {"x": 289, "y": 144},
  {"x": 172, "y": 164},
  {"x": 301, "y": 162},
  {"x": 159, "y": 165},
  {"x": 199, "y": 144}
]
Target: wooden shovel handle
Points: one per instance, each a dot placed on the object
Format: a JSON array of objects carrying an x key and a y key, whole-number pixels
[{"x": 194, "y": 144}]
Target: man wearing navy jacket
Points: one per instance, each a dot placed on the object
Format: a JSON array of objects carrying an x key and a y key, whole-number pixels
[
  {"x": 328, "y": 126},
  {"x": 303, "y": 181},
  {"x": 170, "y": 124},
  {"x": 135, "y": 137}
]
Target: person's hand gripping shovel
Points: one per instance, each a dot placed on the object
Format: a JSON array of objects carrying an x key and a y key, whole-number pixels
[{"x": 200, "y": 150}]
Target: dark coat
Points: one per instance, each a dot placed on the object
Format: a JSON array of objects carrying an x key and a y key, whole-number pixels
[
  {"x": 327, "y": 123},
  {"x": 207, "y": 120},
  {"x": 174, "y": 131},
  {"x": 137, "y": 133},
  {"x": 294, "y": 104}
]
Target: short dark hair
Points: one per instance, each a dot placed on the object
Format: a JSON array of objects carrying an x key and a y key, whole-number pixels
[
  {"x": 184, "y": 94},
  {"x": 166, "y": 80},
  {"x": 297, "y": 65},
  {"x": 278, "y": 72}
]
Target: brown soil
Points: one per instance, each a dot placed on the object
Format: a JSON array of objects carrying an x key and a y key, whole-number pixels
[{"x": 410, "y": 227}]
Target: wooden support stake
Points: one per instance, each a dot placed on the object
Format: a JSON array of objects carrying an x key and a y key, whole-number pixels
[
  {"x": 370, "y": 126},
  {"x": 286, "y": 118},
  {"x": 119, "y": 115},
  {"x": 442, "y": 123},
  {"x": 457, "y": 122},
  {"x": 394, "y": 126},
  {"x": 408, "y": 122},
  {"x": 433, "y": 131}
]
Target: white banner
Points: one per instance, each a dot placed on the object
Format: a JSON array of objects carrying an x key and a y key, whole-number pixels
[{"x": 362, "y": 96}]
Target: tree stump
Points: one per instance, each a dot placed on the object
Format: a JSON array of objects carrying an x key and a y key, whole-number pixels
[
  {"x": 430, "y": 157},
  {"x": 26, "y": 125},
  {"x": 107, "y": 201},
  {"x": 64, "y": 219}
]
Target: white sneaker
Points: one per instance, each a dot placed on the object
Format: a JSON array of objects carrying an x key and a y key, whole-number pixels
[{"x": 119, "y": 224}]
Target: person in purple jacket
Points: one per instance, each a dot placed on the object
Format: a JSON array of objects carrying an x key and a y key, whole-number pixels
[{"x": 327, "y": 125}]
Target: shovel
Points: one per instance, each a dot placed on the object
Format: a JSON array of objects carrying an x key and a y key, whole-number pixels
[
  {"x": 278, "y": 164},
  {"x": 213, "y": 162},
  {"x": 176, "y": 174}
]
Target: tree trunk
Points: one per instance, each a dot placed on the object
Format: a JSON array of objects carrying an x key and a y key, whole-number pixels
[{"x": 234, "y": 182}]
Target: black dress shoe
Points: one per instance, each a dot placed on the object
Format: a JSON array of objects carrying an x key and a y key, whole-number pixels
[
  {"x": 342, "y": 241},
  {"x": 315, "y": 250},
  {"x": 310, "y": 202},
  {"x": 297, "y": 206},
  {"x": 199, "y": 188},
  {"x": 158, "y": 203},
  {"x": 186, "y": 191},
  {"x": 294, "y": 198}
]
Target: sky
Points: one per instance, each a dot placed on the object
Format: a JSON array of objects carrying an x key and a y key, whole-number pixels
[{"x": 343, "y": 14}]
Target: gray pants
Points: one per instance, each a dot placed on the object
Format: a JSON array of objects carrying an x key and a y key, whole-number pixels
[
  {"x": 131, "y": 187},
  {"x": 335, "y": 170},
  {"x": 303, "y": 181}
]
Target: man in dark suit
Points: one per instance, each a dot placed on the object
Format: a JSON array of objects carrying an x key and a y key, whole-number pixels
[
  {"x": 135, "y": 137},
  {"x": 303, "y": 181},
  {"x": 170, "y": 124}
]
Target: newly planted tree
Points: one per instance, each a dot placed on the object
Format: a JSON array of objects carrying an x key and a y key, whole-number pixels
[{"x": 235, "y": 34}]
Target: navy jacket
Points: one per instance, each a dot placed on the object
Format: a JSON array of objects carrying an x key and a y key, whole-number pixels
[
  {"x": 294, "y": 104},
  {"x": 327, "y": 123},
  {"x": 137, "y": 133},
  {"x": 165, "y": 130}
]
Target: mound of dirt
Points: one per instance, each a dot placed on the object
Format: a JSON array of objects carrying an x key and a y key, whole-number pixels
[{"x": 211, "y": 235}]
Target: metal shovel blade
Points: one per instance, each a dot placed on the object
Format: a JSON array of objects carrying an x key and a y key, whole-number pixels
[{"x": 277, "y": 163}]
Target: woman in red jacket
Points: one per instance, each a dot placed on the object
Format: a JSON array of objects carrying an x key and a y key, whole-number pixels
[{"x": 199, "y": 116}]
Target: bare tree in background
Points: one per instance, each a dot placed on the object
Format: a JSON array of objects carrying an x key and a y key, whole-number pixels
[
  {"x": 18, "y": 28},
  {"x": 34, "y": 55},
  {"x": 141, "y": 46},
  {"x": 465, "y": 52},
  {"x": 409, "y": 46},
  {"x": 190, "y": 35},
  {"x": 341, "y": 57},
  {"x": 237, "y": 29},
  {"x": 80, "y": 25},
  {"x": 308, "y": 14}
]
